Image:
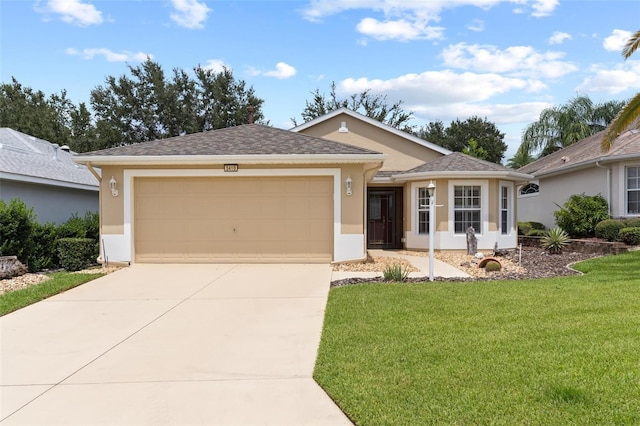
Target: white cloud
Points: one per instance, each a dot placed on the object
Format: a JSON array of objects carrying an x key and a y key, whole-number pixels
[
  {"x": 441, "y": 87},
  {"x": 73, "y": 12},
  {"x": 616, "y": 41},
  {"x": 612, "y": 81},
  {"x": 215, "y": 65},
  {"x": 516, "y": 60},
  {"x": 544, "y": 7},
  {"x": 189, "y": 13},
  {"x": 282, "y": 71},
  {"x": 400, "y": 29},
  {"x": 501, "y": 114},
  {"x": 559, "y": 37},
  {"x": 109, "y": 55},
  {"x": 477, "y": 25}
]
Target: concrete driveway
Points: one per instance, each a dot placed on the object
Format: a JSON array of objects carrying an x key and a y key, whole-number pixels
[{"x": 171, "y": 345}]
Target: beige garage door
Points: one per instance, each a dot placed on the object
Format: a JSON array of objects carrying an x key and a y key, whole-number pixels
[{"x": 266, "y": 219}]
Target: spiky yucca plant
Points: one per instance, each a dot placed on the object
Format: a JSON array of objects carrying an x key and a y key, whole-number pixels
[{"x": 554, "y": 240}]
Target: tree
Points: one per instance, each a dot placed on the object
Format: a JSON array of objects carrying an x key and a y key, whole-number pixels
[
  {"x": 475, "y": 150},
  {"x": 147, "y": 106},
  {"x": 520, "y": 159},
  {"x": 457, "y": 137},
  {"x": 373, "y": 106},
  {"x": 561, "y": 126},
  {"x": 631, "y": 110}
]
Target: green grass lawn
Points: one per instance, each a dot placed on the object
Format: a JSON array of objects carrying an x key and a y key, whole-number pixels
[
  {"x": 59, "y": 282},
  {"x": 562, "y": 351}
]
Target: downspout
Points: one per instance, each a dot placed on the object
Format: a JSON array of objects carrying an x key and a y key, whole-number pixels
[
  {"x": 101, "y": 258},
  {"x": 608, "y": 184}
]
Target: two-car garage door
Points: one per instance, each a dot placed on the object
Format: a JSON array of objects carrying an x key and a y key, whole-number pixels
[{"x": 240, "y": 219}]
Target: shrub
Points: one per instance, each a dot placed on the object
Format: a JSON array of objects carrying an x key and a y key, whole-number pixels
[
  {"x": 492, "y": 266},
  {"x": 77, "y": 253},
  {"x": 44, "y": 255},
  {"x": 536, "y": 233},
  {"x": 74, "y": 227},
  {"x": 16, "y": 225},
  {"x": 581, "y": 213},
  {"x": 396, "y": 273},
  {"x": 525, "y": 227},
  {"x": 632, "y": 222},
  {"x": 608, "y": 229},
  {"x": 630, "y": 236},
  {"x": 555, "y": 240}
]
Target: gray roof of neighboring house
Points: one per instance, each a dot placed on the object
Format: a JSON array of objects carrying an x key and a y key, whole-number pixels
[
  {"x": 585, "y": 153},
  {"x": 26, "y": 157},
  {"x": 247, "y": 139}
]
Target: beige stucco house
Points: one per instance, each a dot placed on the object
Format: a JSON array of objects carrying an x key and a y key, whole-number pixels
[
  {"x": 582, "y": 168},
  {"x": 321, "y": 192}
]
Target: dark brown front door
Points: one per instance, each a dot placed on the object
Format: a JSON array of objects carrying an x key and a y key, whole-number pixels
[{"x": 384, "y": 215}]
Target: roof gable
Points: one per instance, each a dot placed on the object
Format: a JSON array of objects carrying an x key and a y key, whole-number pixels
[
  {"x": 25, "y": 157},
  {"x": 586, "y": 152},
  {"x": 372, "y": 122}
]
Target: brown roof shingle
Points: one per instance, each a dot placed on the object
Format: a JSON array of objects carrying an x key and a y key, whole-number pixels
[
  {"x": 247, "y": 139},
  {"x": 459, "y": 162}
]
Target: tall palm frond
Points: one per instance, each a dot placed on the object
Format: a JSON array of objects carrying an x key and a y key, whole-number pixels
[
  {"x": 625, "y": 117},
  {"x": 632, "y": 45}
]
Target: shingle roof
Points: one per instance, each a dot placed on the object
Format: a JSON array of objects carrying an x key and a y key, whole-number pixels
[
  {"x": 247, "y": 139},
  {"x": 585, "y": 152},
  {"x": 27, "y": 156},
  {"x": 459, "y": 162}
]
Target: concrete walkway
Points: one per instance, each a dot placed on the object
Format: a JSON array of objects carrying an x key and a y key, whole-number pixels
[
  {"x": 171, "y": 345},
  {"x": 440, "y": 268}
]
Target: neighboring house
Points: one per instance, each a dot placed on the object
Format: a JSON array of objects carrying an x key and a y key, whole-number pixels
[
  {"x": 45, "y": 177},
  {"x": 583, "y": 168},
  {"x": 257, "y": 193}
]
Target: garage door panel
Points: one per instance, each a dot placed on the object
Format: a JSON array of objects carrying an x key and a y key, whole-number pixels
[{"x": 275, "y": 219}]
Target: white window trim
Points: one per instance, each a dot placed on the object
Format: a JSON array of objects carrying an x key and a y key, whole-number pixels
[
  {"x": 510, "y": 207},
  {"x": 535, "y": 194},
  {"x": 419, "y": 209},
  {"x": 626, "y": 189},
  {"x": 484, "y": 205}
]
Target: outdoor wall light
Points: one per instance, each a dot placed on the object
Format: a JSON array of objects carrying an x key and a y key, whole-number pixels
[
  {"x": 113, "y": 185},
  {"x": 349, "y": 184}
]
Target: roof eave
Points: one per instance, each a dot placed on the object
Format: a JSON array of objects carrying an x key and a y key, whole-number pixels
[
  {"x": 510, "y": 175},
  {"x": 586, "y": 164},
  {"x": 46, "y": 181},
  {"x": 229, "y": 159}
]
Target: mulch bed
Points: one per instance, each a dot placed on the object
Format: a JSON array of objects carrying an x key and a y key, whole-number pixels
[{"x": 535, "y": 262}]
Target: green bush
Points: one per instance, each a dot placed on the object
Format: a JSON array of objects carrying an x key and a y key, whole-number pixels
[
  {"x": 630, "y": 236},
  {"x": 44, "y": 255},
  {"x": 555, "y": 240},
  {"x": 16, "y": 225},
  {"x": 536, "y": 233},
  {"x": 581, "y": 213},
  {"x": 632, "y": 222},
  {"x": 524, "y": 228},
  {"x": 608, "y": 229},
  {"x": 396, "y": 273},
  {"x": 77, "y": 253},
  {"x": 492, "y": 266},
  {"x": 74, "y": 227}
]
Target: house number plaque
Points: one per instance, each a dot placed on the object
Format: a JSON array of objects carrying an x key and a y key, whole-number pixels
[{"x": 230, "y": 167}]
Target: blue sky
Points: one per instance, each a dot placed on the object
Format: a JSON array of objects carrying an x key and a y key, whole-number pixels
[{"x": 445, "y": 59}]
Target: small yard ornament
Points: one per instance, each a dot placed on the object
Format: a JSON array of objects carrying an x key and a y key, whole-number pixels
[{"x": 472, "y": 241}]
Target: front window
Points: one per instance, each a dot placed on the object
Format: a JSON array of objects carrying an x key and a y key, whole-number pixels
[
  {"x": 633, "y": 190},
  {"x": 466, "y": 208},
  {"x": 504, "y": 210},
  {"x": 423, "y": 211},
  {"x": 530, "y": 188}
]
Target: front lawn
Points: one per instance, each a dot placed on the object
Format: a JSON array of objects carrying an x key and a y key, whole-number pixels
[
  {"x": 538, "y": 352},
  {"x": 59, "y": 282}
]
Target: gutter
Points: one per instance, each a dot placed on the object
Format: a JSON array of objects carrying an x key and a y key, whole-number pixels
[
  {"x": 587, "y": 163},
  {"x": 403, "y": 177}
]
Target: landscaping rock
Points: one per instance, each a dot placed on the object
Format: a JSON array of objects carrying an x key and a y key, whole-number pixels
[{"x": 10, "y": 267}]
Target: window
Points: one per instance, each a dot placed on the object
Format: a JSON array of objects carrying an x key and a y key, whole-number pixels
[
  {"x": 466, "y": 208},
  {"x": 530, "y": 188},
  {"x": 633, "y": 190},
  {"x": 504, "y": 210},
  {"x": 423, "y": 211}
]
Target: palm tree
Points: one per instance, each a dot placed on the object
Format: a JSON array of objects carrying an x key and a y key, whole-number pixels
[
  {"x": 521, "y": 158},
  {"x": 561, "y": 126},
  {"x": 632, "y": 110}
]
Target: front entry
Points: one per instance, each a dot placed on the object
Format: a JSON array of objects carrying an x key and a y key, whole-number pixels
[{"x": 384, "y": 218}]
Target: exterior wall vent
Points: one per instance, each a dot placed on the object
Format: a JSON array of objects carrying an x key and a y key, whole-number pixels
[{"x": 343, "y": 127}]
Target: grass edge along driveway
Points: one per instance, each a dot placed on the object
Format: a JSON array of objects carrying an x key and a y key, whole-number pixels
[{"x": 550, "y": 351}]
